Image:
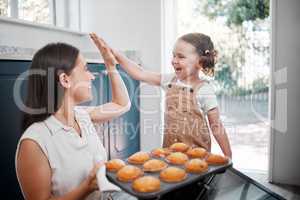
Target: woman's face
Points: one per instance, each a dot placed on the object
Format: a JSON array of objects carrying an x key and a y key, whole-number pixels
[
  {"x": 185, "y": 60},
  {"x": 81, "y": 81}
]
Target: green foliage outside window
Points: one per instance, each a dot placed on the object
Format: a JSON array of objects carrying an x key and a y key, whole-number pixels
[
  {"x": 237, "y": 11},
  {"x": 242, "y": 17}
]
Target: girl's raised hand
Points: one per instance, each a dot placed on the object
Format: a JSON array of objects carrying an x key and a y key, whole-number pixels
[{"x": 109, "y": 58}]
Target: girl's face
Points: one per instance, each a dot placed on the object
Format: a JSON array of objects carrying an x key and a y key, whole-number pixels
[
  {"x": 80, "y": 81},
  {"x": 185, "y": 60}
]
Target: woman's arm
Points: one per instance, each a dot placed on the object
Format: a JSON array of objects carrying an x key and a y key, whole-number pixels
[
  {"x": 120, "y": 102},
  {"x": 34, "y": 175},
  {"x": 218, "y": 131}
]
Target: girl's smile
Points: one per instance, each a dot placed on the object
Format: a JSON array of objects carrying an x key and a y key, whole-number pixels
[{"x": 185, "y": 60}]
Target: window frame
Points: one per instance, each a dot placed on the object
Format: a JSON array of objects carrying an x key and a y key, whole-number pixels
[{"x": 59, "y": 11}]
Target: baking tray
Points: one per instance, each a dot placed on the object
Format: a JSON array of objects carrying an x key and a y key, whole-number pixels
[{"x": 166, "y": 187}]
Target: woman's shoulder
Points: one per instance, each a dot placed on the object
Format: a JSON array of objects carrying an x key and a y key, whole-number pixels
[
  {"x": 34, "y": 130},
  {"x": 37, "y": 133}
]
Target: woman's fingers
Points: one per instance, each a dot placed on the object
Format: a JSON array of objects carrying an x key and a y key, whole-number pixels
[
  {"x": 95, "y": 169},
  {"x": 114, "y": 52},
  {"x": 97, "y": 166},
  {"x": 99, "y": 41},
  {"x": 101, "y": 46},
  {"x": 106, "y": 52},
  {"x": 95, "y": 36},
  {"x": 95, "y": 184}
]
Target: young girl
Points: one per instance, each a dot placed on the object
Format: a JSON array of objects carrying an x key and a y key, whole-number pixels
[
  {"x": 59, "y": 153},
  {"x": 189, "y": 98}
]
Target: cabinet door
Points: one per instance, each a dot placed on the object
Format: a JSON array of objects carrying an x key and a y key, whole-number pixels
[
  {"x": 10, "y": 118},
  {"x": 124, "y": 132}
]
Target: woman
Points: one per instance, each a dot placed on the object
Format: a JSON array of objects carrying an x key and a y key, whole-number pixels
[{"x": 57, "y": 153}]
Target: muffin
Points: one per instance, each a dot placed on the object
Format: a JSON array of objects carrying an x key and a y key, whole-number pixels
[
  {"x": 215, "y": 159},
  {"x": 179, "y": 147},
  {"x": 177, "y": 158},
  {"x": 129, "y": 173},
  {"x": 154, "y": 165},
  {"x": 196, "y": 166},
  {"x": 172, "y": 175},
  {"x": 160, "y": 152},
  {"x": 146, "y": 184},
  {"x": 139, "y": 158},
  {"x": 114, "y": 165},
  {"x": 197, "y": 152}
]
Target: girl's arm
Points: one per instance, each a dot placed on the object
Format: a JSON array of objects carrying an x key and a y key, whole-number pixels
[
  {"x": 136, "y": 72},
  {"x": 34, "y": 175},
  {"x": 120, "y": 102},
  {"x": 218, "y": 131}
]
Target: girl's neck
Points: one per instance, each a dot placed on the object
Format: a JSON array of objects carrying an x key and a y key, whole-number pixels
[{"x": 191, "y": 80}]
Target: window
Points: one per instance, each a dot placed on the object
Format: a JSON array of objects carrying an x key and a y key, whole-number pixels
[
  {"x": 60, "y": 13},
  {"x": 241, "y": 35},
  {"x": 37, "y": 11},
  {"x": 4, "y": 8}
]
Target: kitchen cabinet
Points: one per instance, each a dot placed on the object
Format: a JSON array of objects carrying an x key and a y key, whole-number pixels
[
  {"x": 124, "y": 131},
  {"x": 10, "y": 117},
  {"x": 119, "y": 142}
]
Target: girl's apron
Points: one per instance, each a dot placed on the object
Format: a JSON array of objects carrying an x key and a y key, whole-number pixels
[{"x": 184, "y": 122}]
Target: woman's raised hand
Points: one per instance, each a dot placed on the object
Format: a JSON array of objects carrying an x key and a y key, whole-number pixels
[{"x": 106, "y": 52}]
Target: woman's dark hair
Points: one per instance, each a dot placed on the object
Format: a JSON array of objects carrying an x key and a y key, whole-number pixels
[
  {"x": 44, "y": 92},
  {"x": 205, "y": 49}
]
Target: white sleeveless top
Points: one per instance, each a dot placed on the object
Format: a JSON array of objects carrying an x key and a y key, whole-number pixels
[{"x": 71, "y": 157}]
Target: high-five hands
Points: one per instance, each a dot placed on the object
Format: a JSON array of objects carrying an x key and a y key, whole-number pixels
[{"x": 109, "y": 59}]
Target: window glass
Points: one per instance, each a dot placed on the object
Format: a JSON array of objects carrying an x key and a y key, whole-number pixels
[
  {"x": 4, "y": 8},
  {"x": 35, "y": 11}
]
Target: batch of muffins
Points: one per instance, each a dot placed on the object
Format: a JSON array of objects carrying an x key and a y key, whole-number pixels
[{"x": 194, "y": 160}]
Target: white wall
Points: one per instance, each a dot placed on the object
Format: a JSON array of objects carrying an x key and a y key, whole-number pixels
[
  {"x": 285, "y": 94},
  {"x": 126, "y": 25},
  {"x": 136, "y": 25},
  {"x": 26, "y": 35}
]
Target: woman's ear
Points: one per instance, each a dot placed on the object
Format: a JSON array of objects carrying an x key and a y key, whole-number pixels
[{"x": 64, "y": 80}]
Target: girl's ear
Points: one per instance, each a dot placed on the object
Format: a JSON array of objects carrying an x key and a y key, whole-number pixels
[
  {"x": 199, "y": 64},
  {"x": 64, "y": 80}
]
